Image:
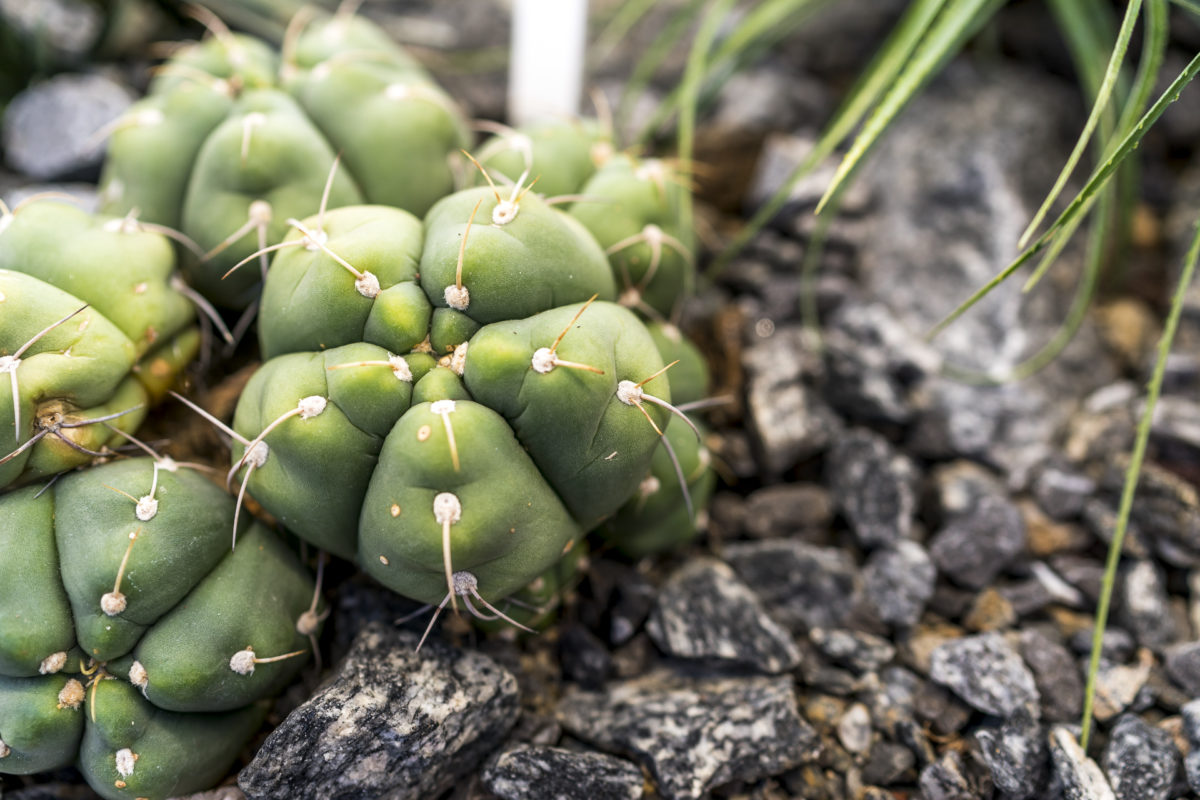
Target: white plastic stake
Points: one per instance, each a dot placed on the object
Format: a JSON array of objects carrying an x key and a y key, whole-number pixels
[{"x": 545, "y": 76}]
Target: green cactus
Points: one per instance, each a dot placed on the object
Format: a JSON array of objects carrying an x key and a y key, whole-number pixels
[
  {"x": 127, "y": 648},
  {"x": 234, "y": 142},
  {"x": 93, "y": 329}
]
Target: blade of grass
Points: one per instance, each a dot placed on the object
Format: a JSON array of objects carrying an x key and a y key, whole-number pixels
[
  {"x": 1188, "y": 5},
  {"x": 942, "y": 41},
  {"x": 626, "y": 16},
  {"x": 1102, "y": 97},
  {"x": 770, "y": 20},
  {"x": 1099, "y": 177},
  {"x": 878, "y": 75},
  {"x": 1153, "y": 49},
  {"x": 693, "y": 75},
  {"x": 1131, "y": 481},
  {"x": 652, "y": 59}
]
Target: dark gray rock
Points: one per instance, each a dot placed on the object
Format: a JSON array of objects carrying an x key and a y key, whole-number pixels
[
  {"x": 949, "y": 216},
  {"x": 768, "y": 98},
  {"x": 788, "y": 420},
  {"x": 1078, "y": 775},
  {"x": 1183, "y": 665},
  {"x": 705, "y": 612},
  {"x": 874, "y": 486},
  {"x": 1016, "y": 754},
  {"x": 899, "y": 581},
  {"x": 1116, "y": 644},
  {"x": 941, "y": 709},
  {"x": 556, "y": 774},
  {"x": 50, "y": 129},
  {"x": 787, "y": 509},
  {"x": 1144, "y": 607},
  {"x": 987, "y": 673},
  {"x": 1191, "y": 730},
  {"x": 781, "y": 154},
  {"x": 973, "y": 548},
  {"x": 862, "y": 652},
  {"x": 693, "y": 735},
  {"x": 584, "y": 658},
  {"x": 874, "y": 366},
  {"x": 1084, "y": 573},
  {"x": 803, "y": 586},
  {"x": 1100, "y": 517},
  {"x": 948, "y": 779},
  {"x": 887, "y": 763},
  {"x": 391, "y": 722},
  {"x": 1140, "y": 760},
  {"x": 1061, "y": 490}
]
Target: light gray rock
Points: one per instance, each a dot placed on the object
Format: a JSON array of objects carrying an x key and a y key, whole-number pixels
[
  {"x": 899, "y": 581},
  {"x": 552, "y": 773},
  {"x": 1079, "y": 776},
  {"x": 874, "y": 485},
  {"x": 986, "y": 672},
  {"x": 948, "y": 219},
  {"x": 705, "y": 612},
  {"x": 391, "y": 723},
  {"x": 1016, "y": 754},
  {"x": 693, "y": 735},
  {"x": 50, "y": 129}
]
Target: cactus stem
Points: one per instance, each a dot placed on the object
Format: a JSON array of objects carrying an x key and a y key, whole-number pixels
[
  {"x": 71, "y": 696},
  {"x": 125, "y": 759},
  {"x": 465, "y": 585},
  {"x": 201, "y": 303},
  {"x": 256, "y": 451},
  {"x": 5, "y": 750},
  {"x": 546, "y": 359},
  {"x": 251, "y": 121},
  {"x": 9, "y": 364},
  {"x": 644, "y": 381},
  {"x": 131, "y": 224},
  {"x": 658, "y": 401},
  {"x": 243, "y": 662},
  {"x": 506, "y": 139},
  {"x": 37, "y": 437},
  {"x": 347, "y": 8},
  {"x": 457, "y": 296},
  {"x": 237, "y": 509},
  {"x": 310, "y": 620},
  {"x": 333, "y": 168},
  {"x": 229, "y": 88},
  {"x": 113, "y": 603},
  {"x": 447, "y": 510},
  {"x": 53, "y": 663},
  {"x": 397, "y": 364},
  {"x": 575, "y": 198}
]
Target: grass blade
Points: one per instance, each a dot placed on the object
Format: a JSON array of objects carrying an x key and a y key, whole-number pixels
[
  {"x": 1188, "y": 5},
  {"x": 1100, "y": 177},
  {"x": 1131, "y": 480},
  {"x": 943, "y": 40},
  {"x": 878, "y": 75},
  {"x": 1102, "y": 97},
  {"x": 653, "y": 58}
]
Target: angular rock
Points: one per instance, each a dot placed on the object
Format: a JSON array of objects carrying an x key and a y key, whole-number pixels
[
  {"x": 862, "y": 652},
  {"x": 1078, "y": 775},
  {"x": 987, "y": 673},
  {"x": 693, "y": 735},
  {"x": 1060, "y": 489},
  {"x": 874, "y": 486},
  {"x": 975, "y": 547},
  {"x": 789, "y": 420},
  {"x": 50, "y": 129},
  {"x": 391, "y": 722},
  {"x": 584, "y": 658},
  {"x": 887, "y": 763},
  {"x": 874, "y": 366},
  {"x": 705, "y": 612},
  {"x": 1016, "y": 754},
  {"x": 1118, "y": 685},
  {"x": 947, "y": 779},
  {"x": 787, "y": 509},
  {"x": 854, "y": 729},
  {"x": 553, "y": 773},
  {"x": 803, "y": 586},
  {"x": 899, "y": 581},
  {"x": 1191, "y": 730},
  {"x": 1140, "y": 760},
  {"x": 1183, "y": 665},
  {"x": 67, "y": 28}
]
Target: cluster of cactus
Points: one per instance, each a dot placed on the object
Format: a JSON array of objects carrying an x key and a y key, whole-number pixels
[
  {"x": 457, "y": 387},
  {"x": 234, "y": 141},
  {"x": 126, "y": 648},
  {"x": 94, "y": 328}
]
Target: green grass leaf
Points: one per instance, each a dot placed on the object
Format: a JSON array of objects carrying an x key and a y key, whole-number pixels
[
  {"x": 957, "y": 21},
  {"x": 1131, "y": 480},
  {"x": 1102, "y": 97}
]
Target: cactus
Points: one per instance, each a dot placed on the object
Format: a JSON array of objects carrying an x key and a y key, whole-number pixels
[
  {"x": 92, "y": 332},
  {"x": 127, "y": 648},
  {"x": 234, "y": 143}
]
